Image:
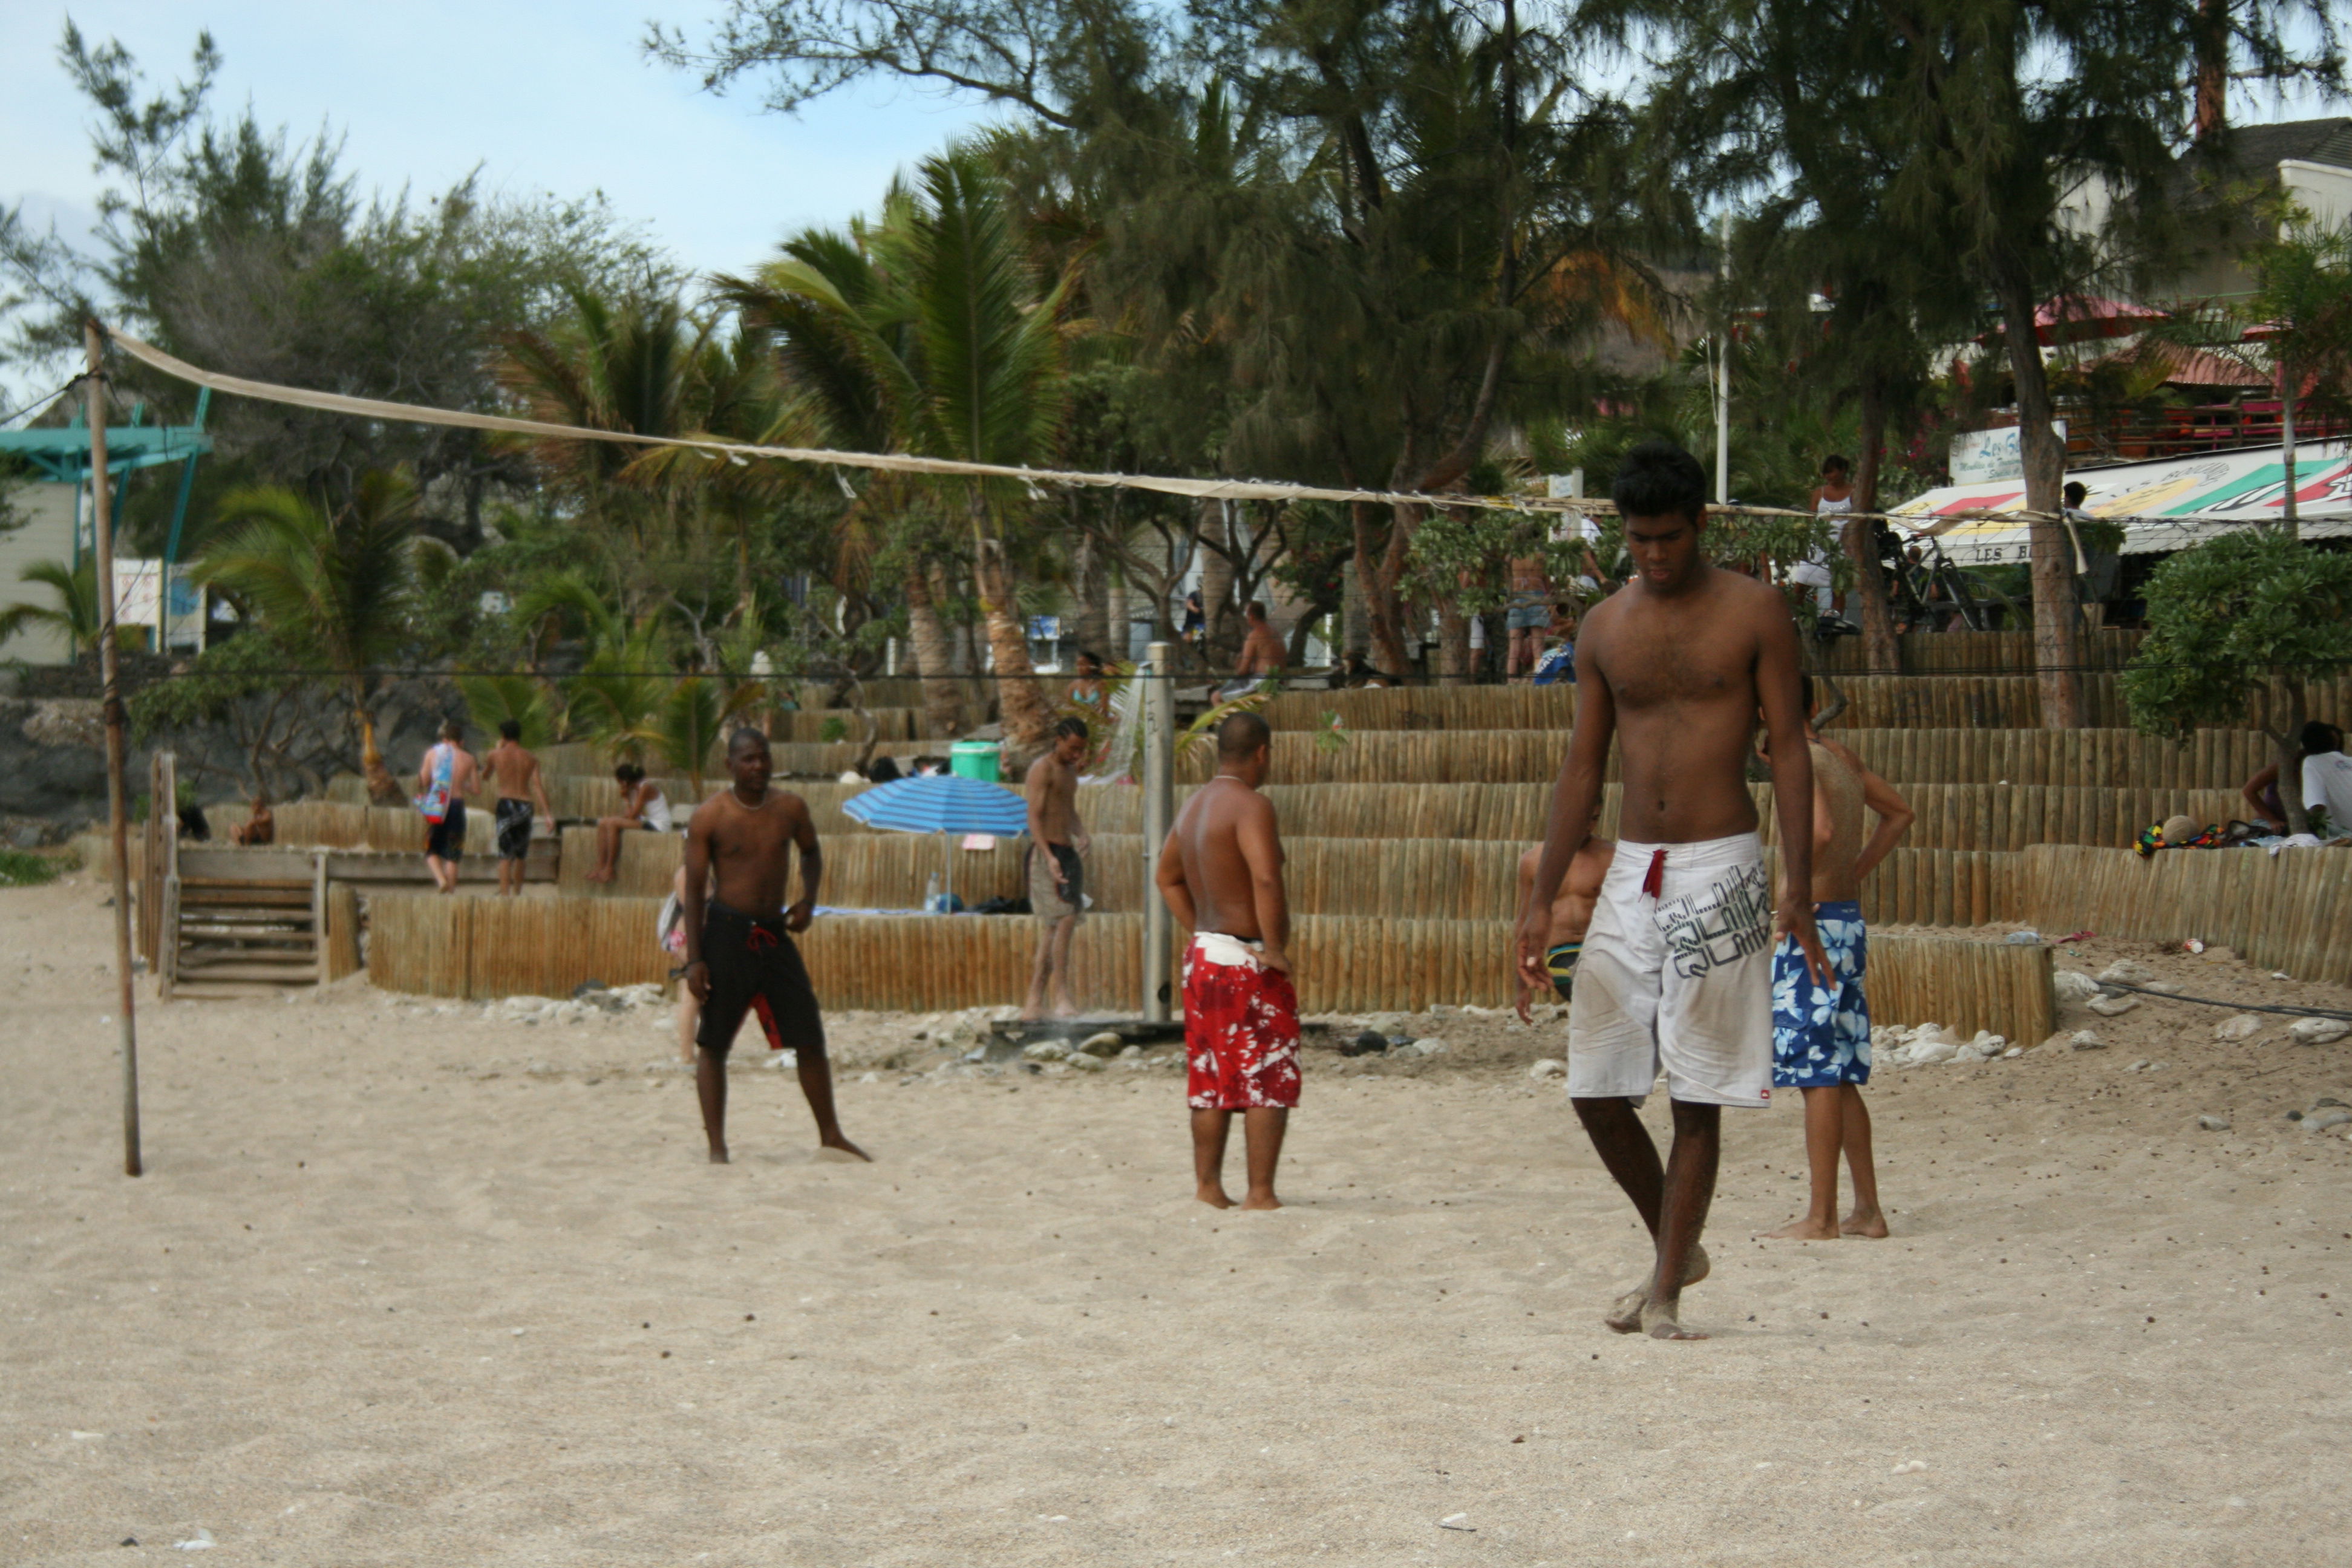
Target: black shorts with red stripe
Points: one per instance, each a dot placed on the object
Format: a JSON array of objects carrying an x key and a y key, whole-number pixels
[{"x": 756, "y": 968}]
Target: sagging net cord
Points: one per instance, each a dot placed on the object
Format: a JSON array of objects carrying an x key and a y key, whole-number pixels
[
  {"x": 2233, "y": 1006},
  {"x": 895, "y": 462}
]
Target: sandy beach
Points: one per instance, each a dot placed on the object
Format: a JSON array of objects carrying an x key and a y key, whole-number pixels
[{"x": 408, "y": 1284}]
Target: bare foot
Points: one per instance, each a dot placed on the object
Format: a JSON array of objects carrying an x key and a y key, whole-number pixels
[
  {"x": 1872, "y": 1225},
  {"x": 1625, "y": 1313},
  {"x": 1213, "y": 1196},
  {"x": 1261, "y": 1201},
  {"x": 1804, "y": 1230},
  {"x": 1658, "y": 1321},
  {"x": 719, "y": 1154},
  {"x": 1066, "y": 1010},
  {"x": 840, "y": 1149}
]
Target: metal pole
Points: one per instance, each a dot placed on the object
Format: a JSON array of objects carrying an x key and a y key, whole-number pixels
[
  {"x": 1159, "y": 817},
  {"x": 118, "y": 818},
  {"x": 1722, "y": 377}
]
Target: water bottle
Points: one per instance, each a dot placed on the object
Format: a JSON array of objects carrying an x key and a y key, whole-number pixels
[{"x": 931, "y": 896}]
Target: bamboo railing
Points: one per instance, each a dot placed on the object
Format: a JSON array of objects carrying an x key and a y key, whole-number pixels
[
  {"x": 477, "y": 948},
  {"x": 2285, "y": 911}
]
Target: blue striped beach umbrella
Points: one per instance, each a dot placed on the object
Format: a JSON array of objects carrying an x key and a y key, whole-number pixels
[{"x": 942, "y": 804}]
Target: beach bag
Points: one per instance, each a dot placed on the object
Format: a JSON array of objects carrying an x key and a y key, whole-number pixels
[
  {"x": 434, "y": 802},
  {"x": 670, "y": 926}
]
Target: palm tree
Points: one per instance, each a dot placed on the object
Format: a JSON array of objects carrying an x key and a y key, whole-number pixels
[
  {"x": 616, "y": 698},
  {"x": 2296, "y": 325},
  {"x": 932, "y": 328},
  {"x": 493, "y": 699},
  {"x": 75, "y": 617},
  {"x": 336, "y": 592},
  {"x": 692, "y": 719}
]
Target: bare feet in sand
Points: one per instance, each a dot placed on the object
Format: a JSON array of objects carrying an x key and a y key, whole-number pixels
[
  {"x": 1261, "y": 1201},
  {"x": 1660, "y": 1323},
  {"x": 1872, "y": 1225},
  {"x": 1213, "y": 1196},
  {"x": 842, "y": 1150},
  {"x": 1625, "y": 1313},
  {"x": 719, "y": 1154},
  {"x": 1807, "y": 1229}
]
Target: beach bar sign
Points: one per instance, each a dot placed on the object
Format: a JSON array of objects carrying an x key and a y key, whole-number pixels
[{"x": 1991, "y": 457}]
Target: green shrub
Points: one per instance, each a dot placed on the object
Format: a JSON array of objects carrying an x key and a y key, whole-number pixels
[{"x": 19, "y": 869}]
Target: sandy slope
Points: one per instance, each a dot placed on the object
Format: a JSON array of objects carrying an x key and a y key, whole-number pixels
[{"x": 388, "y": 1297}]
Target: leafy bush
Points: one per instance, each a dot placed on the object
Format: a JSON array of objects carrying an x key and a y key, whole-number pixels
[{"x": 19, "y": 869}]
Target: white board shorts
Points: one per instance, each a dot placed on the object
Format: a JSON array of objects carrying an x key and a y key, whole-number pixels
[{"x": 1676, "y": 976}]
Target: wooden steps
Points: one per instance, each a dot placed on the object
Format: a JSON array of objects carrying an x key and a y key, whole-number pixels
[{"x": 227, "y": 937}]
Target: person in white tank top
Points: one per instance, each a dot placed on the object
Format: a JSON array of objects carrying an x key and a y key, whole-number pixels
[{"x": 1833, "y": 497}]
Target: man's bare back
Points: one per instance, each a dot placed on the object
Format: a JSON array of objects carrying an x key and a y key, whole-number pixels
[
  {"x": 1224, "y": 836},
  {"x": 1572, "y": 908},
  {"x": 1262, "y": 651},
  {"x": 513, "y": 771},
  {"x": 1837, "y": 824}
]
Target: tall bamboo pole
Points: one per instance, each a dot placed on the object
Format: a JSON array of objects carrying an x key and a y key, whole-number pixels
[
  {"x": 118, "y": 818},
  {"x": 1159, "y": 817}
]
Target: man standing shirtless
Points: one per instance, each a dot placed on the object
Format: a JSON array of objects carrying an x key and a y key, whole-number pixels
[
  {"x": 1677, "y": 963},
  {"x": 1571, "y": 914},
  {"x": 1820, "y": 1034},
  {"x": 1220, "y": 872},
  {"x": 1057, "y": 866},
  {"x": 514, "y": 778},
  {"x": 740, "y": 954}
]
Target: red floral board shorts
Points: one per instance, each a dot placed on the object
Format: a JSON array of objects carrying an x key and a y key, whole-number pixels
[{"x": 1241, "y": 1027}]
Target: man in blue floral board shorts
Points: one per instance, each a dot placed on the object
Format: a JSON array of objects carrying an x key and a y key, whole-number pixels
[{"x": 1820, "y": 1034}]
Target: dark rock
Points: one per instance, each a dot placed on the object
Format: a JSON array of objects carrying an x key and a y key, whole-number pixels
[{"x": 1369, "y": 1043}]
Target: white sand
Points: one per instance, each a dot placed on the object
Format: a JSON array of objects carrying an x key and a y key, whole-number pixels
[{"x": 382, "y": 1298}]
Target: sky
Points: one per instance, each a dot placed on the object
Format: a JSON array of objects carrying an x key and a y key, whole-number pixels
[{"x": 542, "y": 96}]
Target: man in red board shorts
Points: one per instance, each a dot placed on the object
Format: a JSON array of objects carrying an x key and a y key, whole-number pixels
[
  {"x": 1220, "y": 872},
  {"x": 1676, "y": 972}
]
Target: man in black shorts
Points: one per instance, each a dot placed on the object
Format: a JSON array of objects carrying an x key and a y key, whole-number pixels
[{"x": 740, "y": 954}]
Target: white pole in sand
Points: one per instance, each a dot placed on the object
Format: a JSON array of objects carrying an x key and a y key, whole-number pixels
[
  {"x": 118, "y": 820},
  {"x": 1159, "y": 817}
]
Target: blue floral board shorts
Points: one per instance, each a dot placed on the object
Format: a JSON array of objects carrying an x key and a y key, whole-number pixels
[{"x": 1820, "y": 1037}]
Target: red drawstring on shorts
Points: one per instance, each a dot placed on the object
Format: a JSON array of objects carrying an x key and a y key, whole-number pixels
[
  {"x": 1653, "y": 885},
  {"x": 761, "y": 937}
]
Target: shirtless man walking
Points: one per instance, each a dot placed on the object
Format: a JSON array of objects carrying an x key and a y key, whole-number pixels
[
  {"x": 1571, "y": 914},
  {"x": 1057, "y": 866},
  {"x": 1677, "y": 963},
  {"x": 514, "y": 779},
  {"x": 1820, "y": 1034},
  {"x": 740, "y": 954},
  {"x": 447, "y": 776},
  {"x": 1220, "y": 872}
]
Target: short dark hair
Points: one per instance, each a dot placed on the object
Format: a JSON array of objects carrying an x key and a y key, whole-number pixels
[
  {"x": 744, "y": 733},
  {"x": 1073, "y": 726},
  {"x": 2319, "y": 737},
  {"x": 629, "y": 772},
  {"x": 1658, "y": 479},
  {"x": 1089, "y": 654},
  {"x": 452, "y": 730},
  {"x": 2075, "y": 492},
  {"x": 1254, "y": 610},
  {"x": 510, "y": 728},
  {"x": 1835, "y": 464},
  {"x": 1242, "y": 734}
]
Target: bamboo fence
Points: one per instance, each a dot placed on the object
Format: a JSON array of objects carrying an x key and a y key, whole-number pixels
[
  {"x": 2284, "y": 912},
  {"x": 342, "y": 930},
  {"x": 1956, "y": 701},
  {"x": 479, "y": 948},
  {"x": 1979, "y": 653},
  {"x": 2210, "y": 759},
  {"x": 864, "y": 870}
]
